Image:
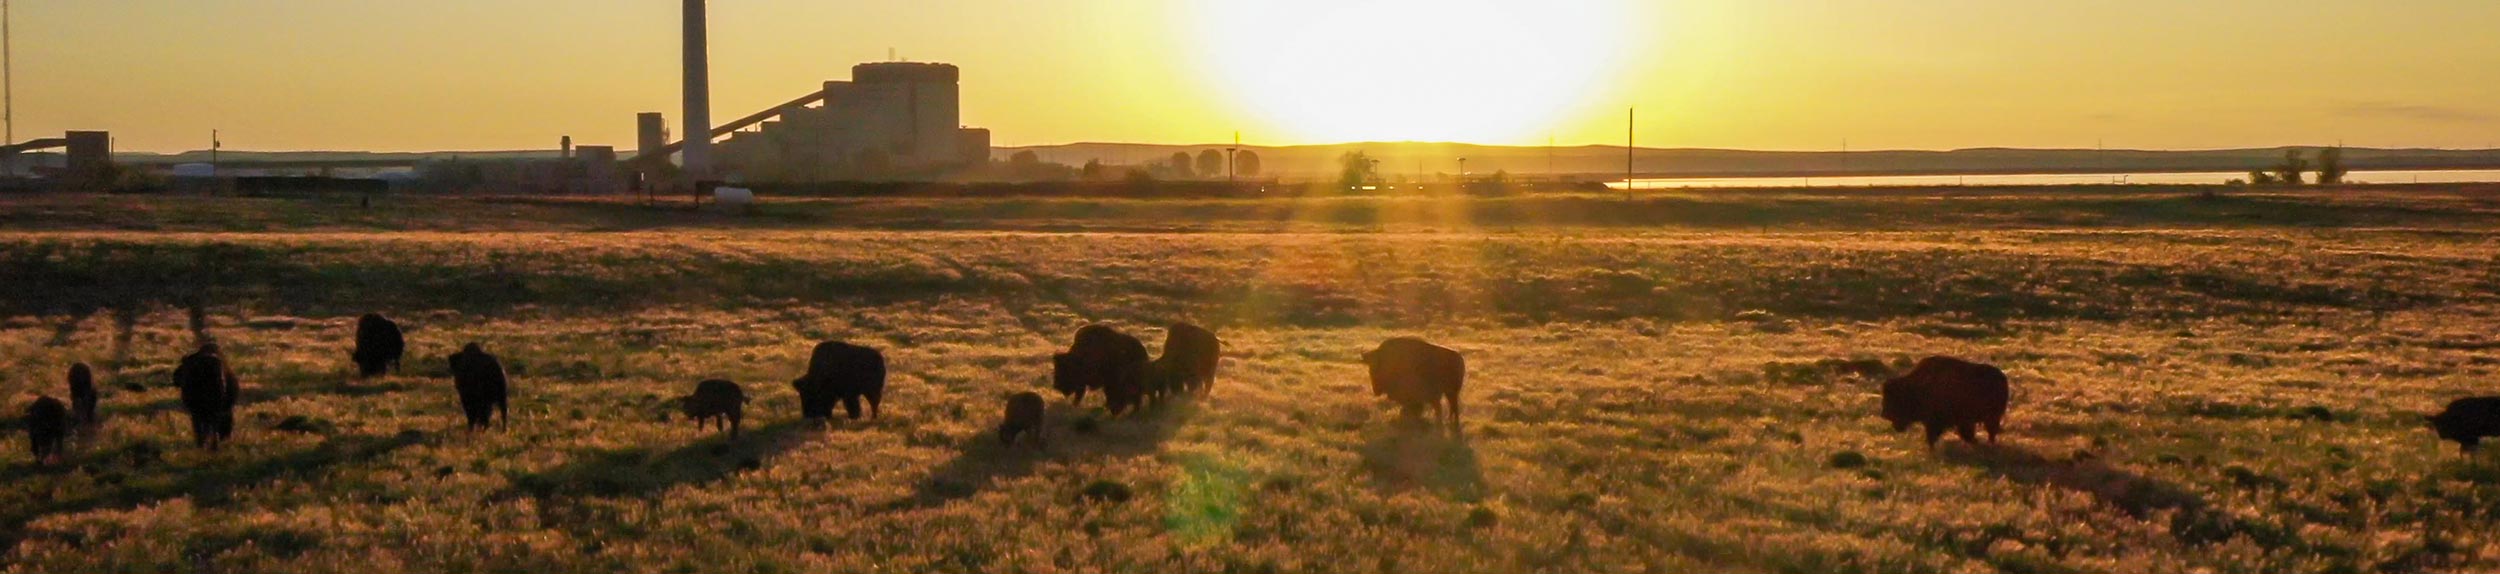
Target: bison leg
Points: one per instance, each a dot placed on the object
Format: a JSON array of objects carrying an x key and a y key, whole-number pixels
[
  {"x": 504, "y": 407},
  {"x": 1453, "y": 423},
  {"x": 1969, "y": 433},
  {"x": 875, "y": 402},
  {"x": 733, "y": 426},
  {"x": 850, "y": 404},
  {"x": 1934, "y": 432},
  {"x": 1994, "y": 427}
]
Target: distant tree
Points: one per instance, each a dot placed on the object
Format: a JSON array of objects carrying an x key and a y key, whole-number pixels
[
  {"x": 1210, "y": 164},
  {"x": 2261, "y": 178},
  {"x": 1356, "y": 168},
  {"x": 1180, "y": 165},
  {"x": 1140, "y": 176},
  {"x": 1024, "y": 159},
  {"x": 2289, "y": 172},
  {"x": 1246, "y": 163},
  {"x": 2331, "y": 166}
]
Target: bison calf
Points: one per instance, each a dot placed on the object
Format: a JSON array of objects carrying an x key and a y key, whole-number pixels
[
  {"x": 841, "y": 372},
  {"x": 1415, "y": 374},
  {"x": 716, "y": 400},
  {"x": 47, "y": 427},
  {"x": 379, "y": 345},
  {"x": 209, "y": 393},
  {"x": 484, "y": 389},
  {"x": 1948, "y": 393},
  {"x": 2468, "y": 421},
  {"x": 1025, "y": 412},
  {"x": 1105, "y": 359}
]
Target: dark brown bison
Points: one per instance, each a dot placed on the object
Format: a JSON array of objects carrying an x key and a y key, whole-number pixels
[
  {"x": 1948, "y": 393},
  {"x": 1415, "y": 374},
  {"x": 484, "y": 389},
  {"x": 47, "y": 428},
  {"x": 713, "y": 400},
  {"x": 1192, "y": 353},
  {"x": 82, "y": 399},
  {"x": 2468, "y": 421},
  {"x": 209, "y": 393},
  {"x": 841, "y": 372},
  {"x": 1103, "y": 358},
  {"x": 379, "y": 345},
  {"x": 1025, "y": 412}
]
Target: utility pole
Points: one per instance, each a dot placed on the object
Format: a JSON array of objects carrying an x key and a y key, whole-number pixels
[
  {"x": 8, "y": 82},
  {"x": 1232, "y": 164},
  {"x": 1631, "y": 118},
  {"x": 214, "y": 143}
]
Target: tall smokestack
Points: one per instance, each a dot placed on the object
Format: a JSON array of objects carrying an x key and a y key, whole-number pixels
[{"x": 698, "y": 95}]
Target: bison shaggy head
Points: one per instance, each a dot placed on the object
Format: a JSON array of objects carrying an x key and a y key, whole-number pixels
[{"x": 1901, "y": 403}]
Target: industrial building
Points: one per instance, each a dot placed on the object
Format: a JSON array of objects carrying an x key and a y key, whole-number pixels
[{"x": 891, "y": 120}]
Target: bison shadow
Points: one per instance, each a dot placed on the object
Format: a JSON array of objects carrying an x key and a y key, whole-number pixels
[
  {"x": 2137, "y": 495},
  {"x": 134, "y": 475},
  {"x": 982, "y": 460},
  {"x": 647, "y": 472},
  {"x": 1407, "y": 455}
]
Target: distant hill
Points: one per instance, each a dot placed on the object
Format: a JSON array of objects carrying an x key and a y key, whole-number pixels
[{"x": 1409, "y": 158}]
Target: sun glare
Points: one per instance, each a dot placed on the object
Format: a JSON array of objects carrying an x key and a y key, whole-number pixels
[{"x": 1485, "y": 71}]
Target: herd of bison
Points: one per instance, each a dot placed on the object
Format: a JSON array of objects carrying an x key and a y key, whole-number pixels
[{"x": 1942, "y": 393}]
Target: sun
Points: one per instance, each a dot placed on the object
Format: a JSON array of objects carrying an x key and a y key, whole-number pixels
[{"x": 1482, "y": 71}]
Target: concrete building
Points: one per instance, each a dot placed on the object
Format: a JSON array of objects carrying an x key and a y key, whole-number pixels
[{"x": 892, "y": 120}]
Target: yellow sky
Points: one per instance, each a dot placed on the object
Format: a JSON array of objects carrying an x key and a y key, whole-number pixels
[{"x": 1764, "y": 74}]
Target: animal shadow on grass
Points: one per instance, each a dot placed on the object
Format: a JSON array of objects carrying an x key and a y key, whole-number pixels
[
  {"x": 648, "y": 472},
  {"x": 1407, "y": 455},
  {"x": 981, "y": 460},
  {"x": 2135, "y": 494},
  {"x": 135, "y": 475}
]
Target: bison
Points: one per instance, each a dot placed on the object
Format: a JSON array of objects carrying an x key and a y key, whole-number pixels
[
  {"x": 2467, "y": 421},
  {"x": 716, "y": 400},
  {"x": 82, "y": 399},
  {"x": 1415, "y": 374},
  {"x": 1102, "y": 358},
  {"x": 1192, "y": 352},
  {"x": 379, "y": 345},
  {"x": 1948, "y": 393},
  {"x": 47, "y": 428},
  {"x": 484, "y": 390},
  {"x": 841, "y": 372},
  {"x": 1025, "y": 413},
  {"x": 209, "y": 393}
]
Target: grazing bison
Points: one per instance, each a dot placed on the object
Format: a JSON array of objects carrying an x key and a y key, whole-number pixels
[
  {"x": 1415, "y": 374},
  {"x": 484, "y": 390},
  {"x": 1193, "y": 353},
  {"x": 47, "y": 427},
  {"x": 1025, "y": 413},
  {"x": 209, "y": 392},
  {"x": 1103, "y": 358},
  {"x": 716, "y": 400},
  {"x": 841, "y": 372},
  {"x": 2468, "y": 421},
  {"x": 378, "y": 345},
  {"x": 1948, "y": 393},
  {"x": 82, "y": 399}
]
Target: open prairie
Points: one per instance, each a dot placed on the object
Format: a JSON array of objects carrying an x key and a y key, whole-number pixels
[{"x": 2229, "y": 383}]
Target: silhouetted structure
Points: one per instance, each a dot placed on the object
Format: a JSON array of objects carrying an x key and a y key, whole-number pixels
[
  {"x": 1948, "y": 393},
  {"x": 82, "y": 399}
]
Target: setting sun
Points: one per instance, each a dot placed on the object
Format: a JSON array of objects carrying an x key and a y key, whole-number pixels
[{"x": 1469, "y": 70}]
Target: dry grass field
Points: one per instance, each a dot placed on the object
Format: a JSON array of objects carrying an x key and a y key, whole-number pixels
[{"x": 1657, "y": 384}]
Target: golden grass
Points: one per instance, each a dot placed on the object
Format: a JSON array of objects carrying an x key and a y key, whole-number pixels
[{"x": 2218, "y": 398}]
